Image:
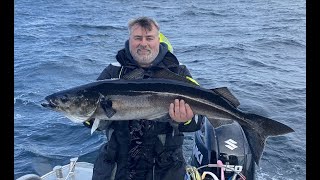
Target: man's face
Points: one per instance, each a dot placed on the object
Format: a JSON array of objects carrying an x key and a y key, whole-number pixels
[{"x": 144, "y": 45}]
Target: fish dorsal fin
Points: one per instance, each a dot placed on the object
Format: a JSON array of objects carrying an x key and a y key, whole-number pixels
[
  {"x": 134, "y": 74},
  {"x": 167, "y": 74},
  {"x": 225, "y": 93},
  {"x": 159, "y": 73}
]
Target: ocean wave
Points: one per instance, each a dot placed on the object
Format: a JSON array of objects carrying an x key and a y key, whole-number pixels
[
  {"x": 84, "y": 27},
  {"x": 276, "y": 43}
]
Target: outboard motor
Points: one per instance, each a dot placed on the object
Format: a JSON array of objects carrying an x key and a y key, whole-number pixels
[{"x": 226, "y": 143}]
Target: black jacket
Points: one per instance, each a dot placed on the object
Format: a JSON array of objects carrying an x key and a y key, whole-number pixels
[{"x": 145, "y": 149}]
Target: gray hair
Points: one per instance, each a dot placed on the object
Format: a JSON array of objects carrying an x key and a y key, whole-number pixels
[{"x": 144, "y": 22}]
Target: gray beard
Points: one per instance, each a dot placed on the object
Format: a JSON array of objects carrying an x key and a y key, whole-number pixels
[{"x": 145, "y": 60}]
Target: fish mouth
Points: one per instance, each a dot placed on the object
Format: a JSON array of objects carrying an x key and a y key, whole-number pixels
[{"x": 48, "y": 104}]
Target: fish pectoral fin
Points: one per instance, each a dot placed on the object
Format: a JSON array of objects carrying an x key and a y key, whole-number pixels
[
  {"x": 106, "y": 105},
  {"x": 95, "y": 125},
  {"x": 215, "y": 122}
]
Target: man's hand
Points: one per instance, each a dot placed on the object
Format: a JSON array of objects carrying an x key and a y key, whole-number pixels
[{"x": 180, "y": 111}]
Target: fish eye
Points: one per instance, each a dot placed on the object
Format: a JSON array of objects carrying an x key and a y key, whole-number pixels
[{"x": 64, "y": 99}]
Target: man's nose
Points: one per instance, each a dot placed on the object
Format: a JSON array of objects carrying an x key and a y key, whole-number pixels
[{"x": 143, "y": 42}]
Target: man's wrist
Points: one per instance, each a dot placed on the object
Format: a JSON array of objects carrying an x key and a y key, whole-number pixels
[
  {"x": 188, "y": 122},
  {"x": 195, "y": 118}
]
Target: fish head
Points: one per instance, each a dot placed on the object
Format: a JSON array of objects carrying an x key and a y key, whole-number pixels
[{"x": 78, "y": 104}]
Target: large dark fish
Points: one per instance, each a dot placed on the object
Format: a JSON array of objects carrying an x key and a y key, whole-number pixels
[{"x": 150, "y": 98}]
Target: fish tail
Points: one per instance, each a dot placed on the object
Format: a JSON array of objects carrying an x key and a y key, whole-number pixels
[{"x": 259, "y": 130}]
